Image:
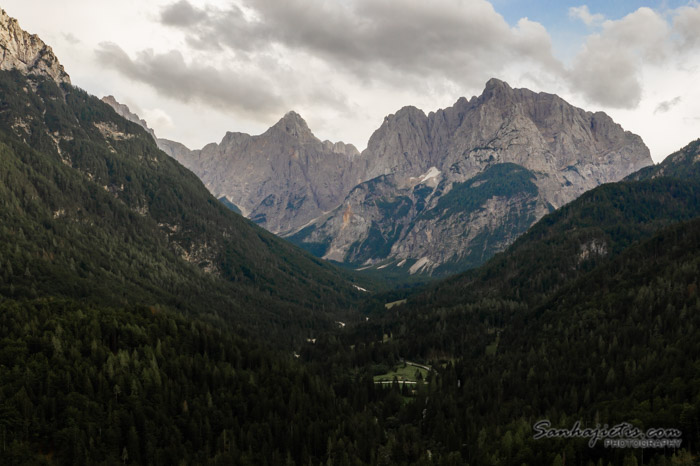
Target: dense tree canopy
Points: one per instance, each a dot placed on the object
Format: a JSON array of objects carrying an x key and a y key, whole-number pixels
[{"x": 141, "y": 322}]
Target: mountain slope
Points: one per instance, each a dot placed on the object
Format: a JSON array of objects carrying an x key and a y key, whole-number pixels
[
  {"x": 616, "y": 345},
  {"x": 280, "y": 179},
  {"x": 591, "y": 316},
  {"x": 564, "y": 150},
  {"x": 382, "y": 209},
  {"x": 577, "y": 238},
  {"x": 573, "y": 241},
  {"x": 684, "y": 164},
  {"x": 93, "y": 209}
]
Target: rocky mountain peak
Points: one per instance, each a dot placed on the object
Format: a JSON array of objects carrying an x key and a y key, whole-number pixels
[
  {"x": 408, "y": 113},
  {"x": 26, "y": 52},
  {"x": 495, "y": 84},
  {"x": 436, "y": 186},
  {"x": 401, "y": 122},
  {"x": 294, "y": 125},
  {"x": 497, "y": 89},
  {"x": 340, "y": 147}
]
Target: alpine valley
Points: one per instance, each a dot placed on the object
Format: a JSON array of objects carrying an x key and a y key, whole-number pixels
[
  {"x": 432, "y": 194},
  {"x": 144, "y": 321}
]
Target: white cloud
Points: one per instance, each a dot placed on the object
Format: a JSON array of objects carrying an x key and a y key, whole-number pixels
[
  {"x": 158, "y": 119},
  {"x": 608, "y": 70},
  {"x": 583, "y": 13}
]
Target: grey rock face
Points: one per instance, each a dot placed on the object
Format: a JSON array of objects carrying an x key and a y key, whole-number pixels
[
  {"x": 281, "y": 179},
  {"x": 564, "y": 150},
  {"x": 433, "y": 193},
  {"x": 27, "y": 53}
]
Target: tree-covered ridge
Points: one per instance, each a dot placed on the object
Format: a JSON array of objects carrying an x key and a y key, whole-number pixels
[
  {"x": 684, "y": 164},
  {"x": 91, "y": 208},
  {"x": 619, "y": 344},
  {"x": 573, "y": 240}
]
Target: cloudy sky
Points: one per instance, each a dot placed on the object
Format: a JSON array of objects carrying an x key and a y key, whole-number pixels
[{"x": 195, "y": 69}]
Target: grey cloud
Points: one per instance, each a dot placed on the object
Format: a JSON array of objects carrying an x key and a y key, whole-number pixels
[
  {"x": 261, "y": 92},
  {"x": 171, "y": 76},
  {"x": 70, "y": 38},
  {"x": 687, "y": 23},
  {"x": 408, "y": 43},
  {"x": 181, "y": 13},
  {"x": 467, "y": 42},
  {"x": 608, "y": 79},
  {"x": 667, "y": 105}
]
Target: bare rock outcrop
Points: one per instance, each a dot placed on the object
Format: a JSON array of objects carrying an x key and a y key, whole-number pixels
[
  {"x": 281, "y": 179},
  {"x": 125, "y": 112},
  {"x": 509, "y": 157},
  {"x": 433, "y": 193},
  {"x": 27, "y": 52}
]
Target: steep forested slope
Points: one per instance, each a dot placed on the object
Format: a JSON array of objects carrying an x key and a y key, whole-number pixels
[
  {"x": 92, "y": 209},
  {"x": 617, "y": 344},
  {"x": 574, "y": 240},
  {"x": 684, "y": 164},
  {"x": 591, "y": 316}
]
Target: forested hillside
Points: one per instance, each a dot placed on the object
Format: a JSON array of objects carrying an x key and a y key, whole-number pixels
[
  {"x": 143, "y": 322},
  {"x": 681, "y": 164},
  {"x": 574, "y": 240},
  {"x": 92, "y": 209},
  {"x": 85, "y": 385},
  {"x": 619, "y": 344}
]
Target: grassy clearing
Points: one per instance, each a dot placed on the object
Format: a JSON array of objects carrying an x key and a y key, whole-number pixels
[
  {"x": 394, "y": 303},
  {"x": 493, "y": 347},
  {"x": 403, "y": 374}
]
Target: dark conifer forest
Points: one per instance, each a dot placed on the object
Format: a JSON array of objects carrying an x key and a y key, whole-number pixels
[{"x": 143, "y": 322}]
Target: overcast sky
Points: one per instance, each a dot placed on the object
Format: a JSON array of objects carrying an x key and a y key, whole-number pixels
[{"x": 195, "y": 69}]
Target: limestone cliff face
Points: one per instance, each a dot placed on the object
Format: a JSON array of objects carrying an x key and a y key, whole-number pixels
[
  {"x": 281, "y": 179},
  {"x": 433, "y": 193},
  {"x": 26, "y": 52},
  {"x": 538, "y": 131},
  {"x": 509, "y": 156}
]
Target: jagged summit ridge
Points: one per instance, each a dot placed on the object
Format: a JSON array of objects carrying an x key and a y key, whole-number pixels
[
  {"x": 27, "y": 52},
  {"x": 552, "y": 150},
  {"x": 495, "y": 85},
  {"x": 281, "y": 179},
  {"x": 384, "y": 207}
]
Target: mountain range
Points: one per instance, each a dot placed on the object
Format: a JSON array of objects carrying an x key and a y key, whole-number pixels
[
  {"x": 432, "y": 194},
  {"x": 144, "y": 322}
]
